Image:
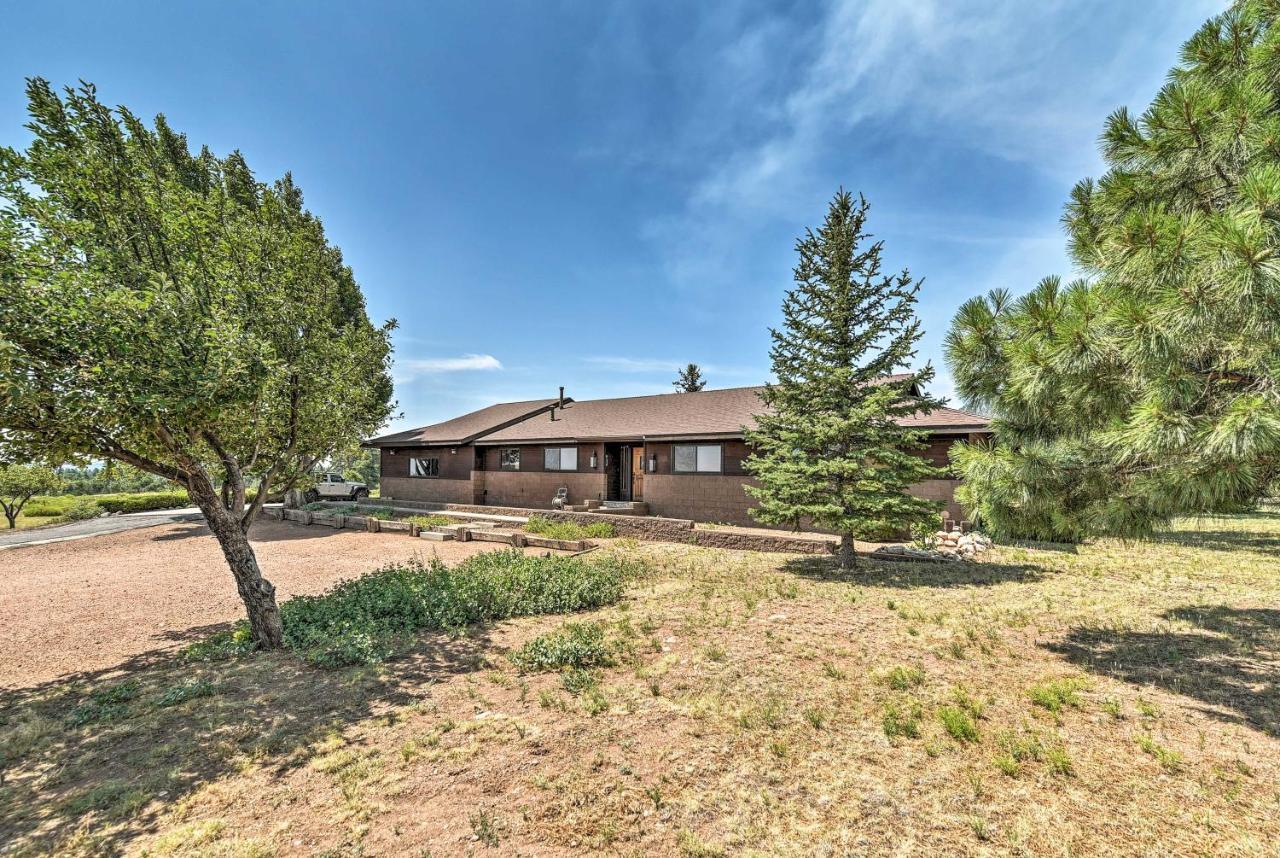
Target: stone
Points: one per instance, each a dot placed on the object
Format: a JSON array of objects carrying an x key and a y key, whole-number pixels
[{"x": 435, "y": 536}]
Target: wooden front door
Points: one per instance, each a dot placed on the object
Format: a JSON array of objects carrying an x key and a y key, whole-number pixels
[{"x": 637, "y": 473}]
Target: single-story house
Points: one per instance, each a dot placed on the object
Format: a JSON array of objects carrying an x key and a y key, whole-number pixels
[{"x": 675, "y": 454}]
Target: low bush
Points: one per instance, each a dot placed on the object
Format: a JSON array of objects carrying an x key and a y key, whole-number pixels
[
  {"x": 222, "y": 645},
  {"x": 379, "y": 512},
  {"x": 372, "y": 618},
  {"x": 143, "y": 501},
  {"x": 568, "y": 530},
  {"x": 577, "y": 645},
  {"x": 81, "y": 509},
  {"x": 429, "y": 521},
  {"x": 61, "y": 505}
]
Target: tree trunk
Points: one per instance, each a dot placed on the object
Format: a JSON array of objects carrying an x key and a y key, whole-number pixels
[
  {"x": 848, "y": 553},
  {"x": 13, "y": 519},
  {"x": 257, "y": 593}
]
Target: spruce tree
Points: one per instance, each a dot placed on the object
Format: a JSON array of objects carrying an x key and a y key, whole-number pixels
[
  {"x": 1149, "y": 387},
  {"x": 829, "y": 449},
  {"x": 690, "y": 379}
]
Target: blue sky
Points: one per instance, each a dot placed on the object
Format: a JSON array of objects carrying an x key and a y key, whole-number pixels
[{"x": 593, "y": 193}]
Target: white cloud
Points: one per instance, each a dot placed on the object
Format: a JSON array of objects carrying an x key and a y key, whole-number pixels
[
  {"x": 664, "y": 365},
  {"x": 411, "y": 368},
  {"x": 1005, "y": 79}
]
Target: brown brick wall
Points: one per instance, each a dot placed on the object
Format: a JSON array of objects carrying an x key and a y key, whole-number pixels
[
  {"x": 701, "y": 497},
  {"x": 434, "y": 490},
  {"x": 531, "y": 458},
  {"x": 940, "y": 490},
  {"x": 455, "y": 462},
  {"x": 535, "y": 489}
]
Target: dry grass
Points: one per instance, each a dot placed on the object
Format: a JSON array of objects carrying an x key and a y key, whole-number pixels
[{"x": 1114, "y": 700}]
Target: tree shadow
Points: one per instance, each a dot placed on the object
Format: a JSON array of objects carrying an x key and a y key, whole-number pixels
[
  {"x": 262, "y": 531},
  {"x": 905, "y": 574},
  {"x": 1230, "y": 662},
  {"x": 106, "y": 751},
  {"x": 1220, "y": 540}
]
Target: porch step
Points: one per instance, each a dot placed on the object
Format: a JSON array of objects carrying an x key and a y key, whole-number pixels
[{"x": 622, "y": 508}]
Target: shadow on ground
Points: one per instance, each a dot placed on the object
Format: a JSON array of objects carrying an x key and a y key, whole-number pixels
[
  {"x": 1229, "y": 660},
  {"x": 109, "y": 751},
  {"x": 262, "y": 531},
  {"x": 897, "y": 573}
]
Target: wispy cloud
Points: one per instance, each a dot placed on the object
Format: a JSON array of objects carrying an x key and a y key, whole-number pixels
[
  {"x": 663, "y": 365},
  {"x": 411, "y": 368},
  {"x": 935, "y": 71}
]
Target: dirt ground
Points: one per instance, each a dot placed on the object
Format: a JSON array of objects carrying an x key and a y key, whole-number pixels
[
  {"x": 77, "y": 608},
  {"x": 1094, "y": 700}
]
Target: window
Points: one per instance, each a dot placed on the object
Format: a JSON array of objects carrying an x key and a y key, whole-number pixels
[
  {"x": 424, "y": 467},
  {"x": 696, "y": 459},
  {"x": 560, "y": 458},
  {"x": 336, "y": 478},
  {"x": 509, "y": 459}
]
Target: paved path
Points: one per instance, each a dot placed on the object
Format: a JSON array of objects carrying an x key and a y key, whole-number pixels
[{"x": 95, "y": 527}]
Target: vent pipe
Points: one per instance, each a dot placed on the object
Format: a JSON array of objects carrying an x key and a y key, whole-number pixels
[{"x": 561, "y": 404}]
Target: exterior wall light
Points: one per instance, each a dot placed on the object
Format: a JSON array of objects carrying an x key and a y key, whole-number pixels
[
  {"x": 593, "y": 460},
  {"x": 653, "y": 464}
]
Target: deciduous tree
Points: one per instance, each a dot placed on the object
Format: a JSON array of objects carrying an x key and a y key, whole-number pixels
[
  {"x": 829, "y": 449},
  {"x": 20, "y": 483},
  {"x": 164, "y": 308}
]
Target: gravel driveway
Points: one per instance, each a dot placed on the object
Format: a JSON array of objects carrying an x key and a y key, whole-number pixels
[{"x": 91, "y": 606}]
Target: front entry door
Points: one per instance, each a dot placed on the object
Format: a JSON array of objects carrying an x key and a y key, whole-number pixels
[{"x": 637, "y": 473}]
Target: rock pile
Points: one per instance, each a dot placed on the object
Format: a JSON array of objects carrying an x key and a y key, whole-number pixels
[
  {"x": 942, "y": 546},
  {"x": 955, "y": 545}
]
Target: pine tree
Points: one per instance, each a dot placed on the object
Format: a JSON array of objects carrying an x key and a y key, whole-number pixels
[
  {"x": 690, "y": 379},
  {"x": 1149, "y": 387},
  {"x": 829, "y": 449}
]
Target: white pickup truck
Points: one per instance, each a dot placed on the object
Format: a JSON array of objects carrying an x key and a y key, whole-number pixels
[{"x": 335, "y": 487}]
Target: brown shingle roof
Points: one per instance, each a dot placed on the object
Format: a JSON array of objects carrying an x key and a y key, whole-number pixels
[
  {"x": 707, "y": 413},
  {"x": 466, "y": 428}
]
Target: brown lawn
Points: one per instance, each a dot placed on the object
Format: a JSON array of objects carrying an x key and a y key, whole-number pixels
[{"x": 1108, "y": 701}]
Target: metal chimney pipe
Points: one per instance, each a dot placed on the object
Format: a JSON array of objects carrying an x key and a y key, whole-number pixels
[{"x": 561, "y": 396}]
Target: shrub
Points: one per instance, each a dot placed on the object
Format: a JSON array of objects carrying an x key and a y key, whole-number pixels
[
  {"x": 45, "y": 505},
  {"x": 568, "y": 530},
  {"x": 578, "y": 645},
  {"x": 370, "y": 619},
  {"x": 222, "y": 645},
  {"x": 82, "y": 508},
  {"x": 379, "y": 512},
  {"x": 143, "y": 501}
]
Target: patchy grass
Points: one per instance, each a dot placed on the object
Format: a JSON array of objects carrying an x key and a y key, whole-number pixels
[{"x": 723, "y": 703}]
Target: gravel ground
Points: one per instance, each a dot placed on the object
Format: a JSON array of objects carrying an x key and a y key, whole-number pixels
[{"x": 91, "y": 606}]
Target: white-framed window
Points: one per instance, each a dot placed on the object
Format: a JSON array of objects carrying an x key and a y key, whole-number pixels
[
  {"x": 424, "y": 467},
  {"x": 697, "y": 459},
  {"x": 509, "y": 459},
  {"x": 560, "y": 458}
]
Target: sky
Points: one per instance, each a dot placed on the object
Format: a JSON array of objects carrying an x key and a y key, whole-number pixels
[{"x": 592, "y": 193}]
